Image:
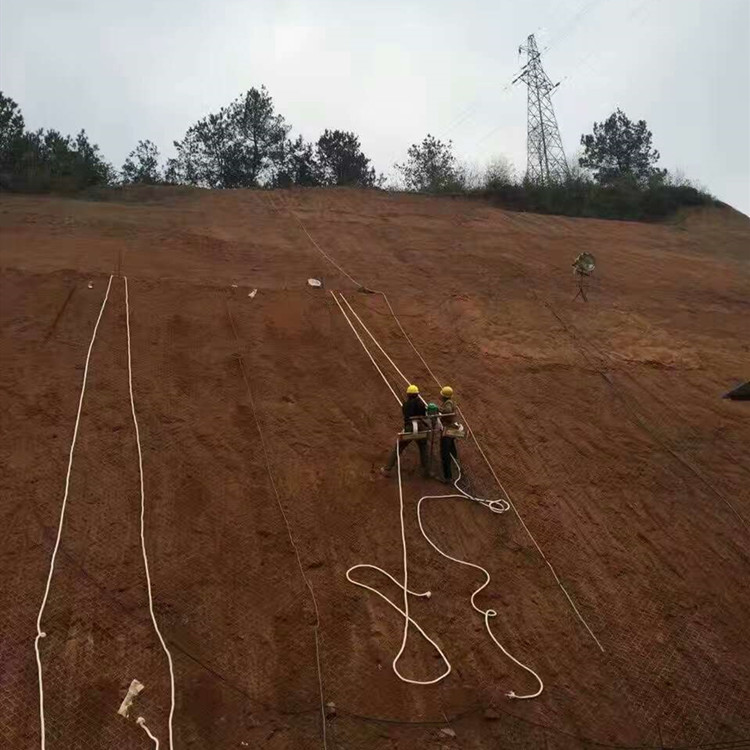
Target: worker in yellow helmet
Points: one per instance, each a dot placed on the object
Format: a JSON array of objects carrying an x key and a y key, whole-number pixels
[
  {"x": 447, "y": 422},
  {"x": 412, "y": 409}
]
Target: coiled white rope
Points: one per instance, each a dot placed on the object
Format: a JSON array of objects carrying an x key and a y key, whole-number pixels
[
  {"x": 407, "y": 592},
  {"x": 39, "y": 632},
  {"x": 495, "y": 506},
  {"x": 143, "y": 535}
]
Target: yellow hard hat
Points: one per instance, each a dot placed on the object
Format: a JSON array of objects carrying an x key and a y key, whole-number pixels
[
  {"x": 446, "y": 391},
  {"x": 412, "y": 390}
]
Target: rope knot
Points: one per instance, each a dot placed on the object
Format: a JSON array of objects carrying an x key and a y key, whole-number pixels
[{"x": 498, "y": 506}]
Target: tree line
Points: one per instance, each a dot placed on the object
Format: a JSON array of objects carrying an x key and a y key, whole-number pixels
[
  {"x": 42, "y": 160},
  {"x": 248, "y": 144},
  {"x": 616, "y": 177},
  {"x": 617, "y": 149}
]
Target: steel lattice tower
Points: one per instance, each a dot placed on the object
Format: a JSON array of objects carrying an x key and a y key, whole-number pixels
[{"x": 544, "y": 150}]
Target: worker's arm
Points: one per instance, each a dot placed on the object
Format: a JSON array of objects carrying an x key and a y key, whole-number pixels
[{"x": 447, "y": 412}]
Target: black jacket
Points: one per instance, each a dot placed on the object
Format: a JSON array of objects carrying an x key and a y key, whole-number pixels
[{"x": 412, "y": 408}]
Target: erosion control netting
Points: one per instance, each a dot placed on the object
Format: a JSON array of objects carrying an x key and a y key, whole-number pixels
[
  {"x": 482, "y": 728},
  {"x": 230, "y": 597}
]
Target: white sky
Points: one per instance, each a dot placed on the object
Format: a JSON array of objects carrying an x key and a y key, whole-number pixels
[{"x": 391, "y": 72}]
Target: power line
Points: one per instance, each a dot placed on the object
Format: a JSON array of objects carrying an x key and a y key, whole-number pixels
[
  {"x": 470, "y": 111},
  {"x": 572, "y": 24},
  {"x": 583, "y": 60}
]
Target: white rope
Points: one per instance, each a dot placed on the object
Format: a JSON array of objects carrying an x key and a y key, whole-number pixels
[
  {"x": 372, "y": 359},
  {"x": 377, "y": 343},
  {"x": 407, "y": 592},
  {"x": 496, "y": 506},
  {"x": 143, "y": 533},
  {"x": 141, "y": 722},
  {"x": 406, "y": 336},
  {"x": 317, "y": 246},
  {"x": 531, "y": 536},
  {"x": 39, "y": 632}
]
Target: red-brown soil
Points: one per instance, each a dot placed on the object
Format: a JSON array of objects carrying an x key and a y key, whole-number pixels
[{"x": 604, "y": 420}]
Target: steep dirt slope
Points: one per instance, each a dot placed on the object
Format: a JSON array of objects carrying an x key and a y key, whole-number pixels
[{"x": 603, "y": 419}]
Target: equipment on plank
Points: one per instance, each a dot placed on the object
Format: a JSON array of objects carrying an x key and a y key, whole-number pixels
[
  {"x": 412, "y": 431},
  {"x": 456, "y": 430},
  {"x": 423, "y": 424}
]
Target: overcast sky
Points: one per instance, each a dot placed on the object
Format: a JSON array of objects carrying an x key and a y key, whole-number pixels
[{"x": 392, "y": 72}]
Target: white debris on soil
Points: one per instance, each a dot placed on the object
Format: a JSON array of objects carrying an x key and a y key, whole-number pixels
[{"x": 133, "y": 690}]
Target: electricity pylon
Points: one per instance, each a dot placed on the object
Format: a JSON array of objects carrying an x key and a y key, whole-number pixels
[{"x": 545, "y": 158}]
